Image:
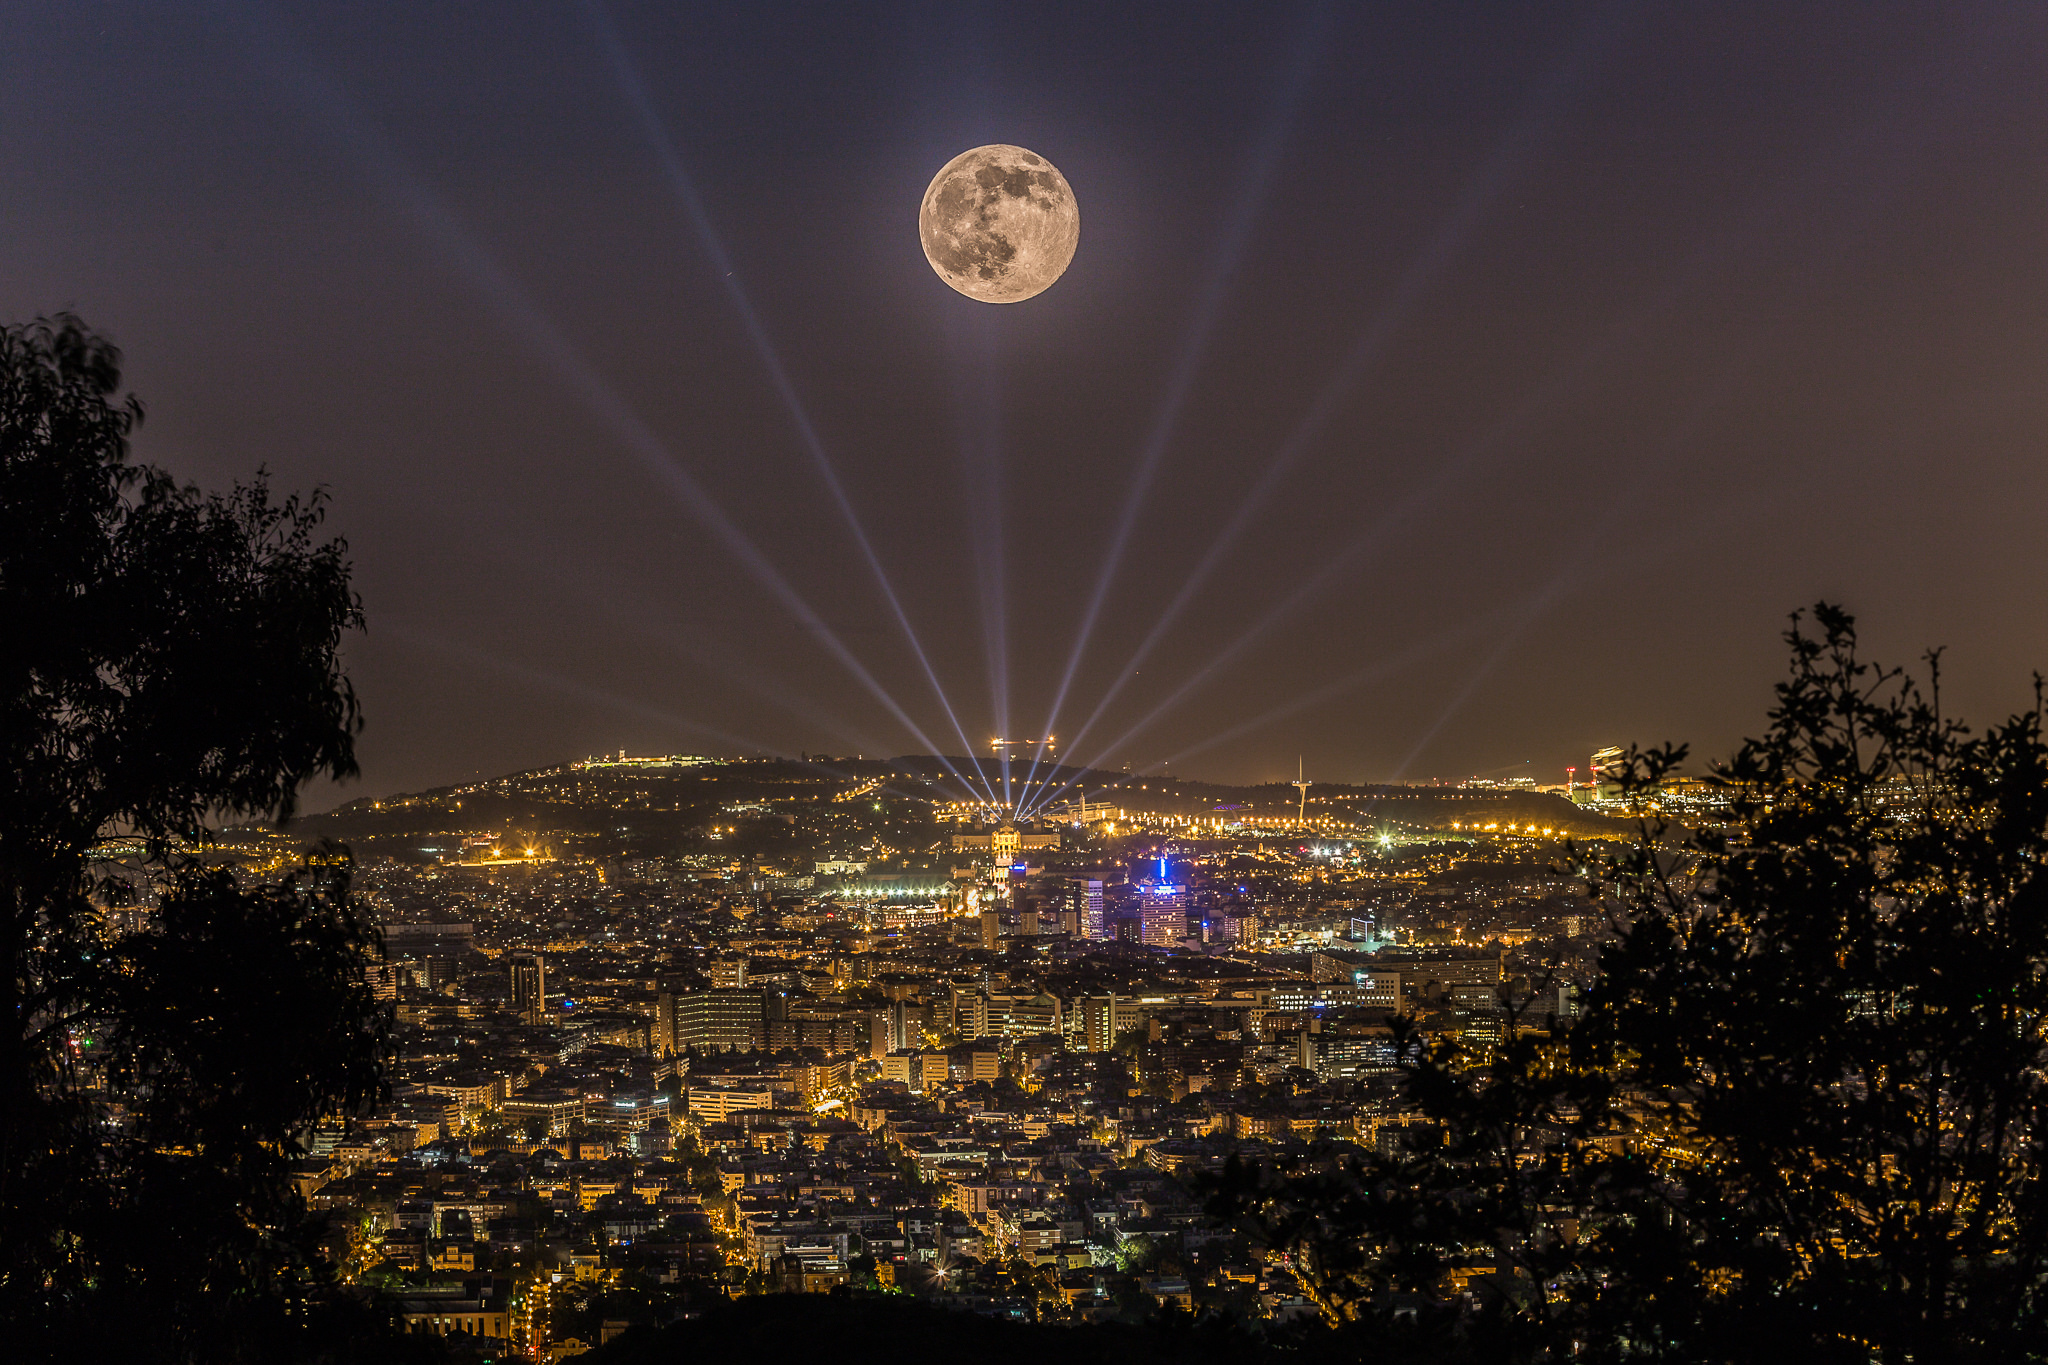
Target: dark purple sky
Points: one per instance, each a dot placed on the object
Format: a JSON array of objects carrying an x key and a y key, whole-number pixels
[{"x": 1506, "y": 372}]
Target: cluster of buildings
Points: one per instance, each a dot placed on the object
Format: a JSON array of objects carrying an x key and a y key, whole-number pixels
[{"x": 624, "y": 1082}]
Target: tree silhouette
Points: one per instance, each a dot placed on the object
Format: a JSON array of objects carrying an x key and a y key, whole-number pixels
[
  {"x": 170, "y": 658},
  {"x": 1836, "y": 1006},
  {"x": 1803, "y": 1116}
]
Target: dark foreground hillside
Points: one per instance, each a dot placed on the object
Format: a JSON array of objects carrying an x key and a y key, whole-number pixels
[
  {"x": 879, "y": 1329},
  {"x": 899, "y": 1330}
]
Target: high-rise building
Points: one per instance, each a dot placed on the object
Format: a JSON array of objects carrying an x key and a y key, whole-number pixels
[
  {"x": 1098, "y": 1023},
  {"x": 721, "y": 1019},
  {"x": 1162, "y": 911},
  {"x": 664, "y": 1038},
  {"x": 899, "y": 1026},
  {"x": 1084, "y": 900},
  {"x": 529, "y": 987}
]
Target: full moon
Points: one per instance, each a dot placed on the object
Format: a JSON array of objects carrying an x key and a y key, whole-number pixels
[{"x": 999, "y": 223}]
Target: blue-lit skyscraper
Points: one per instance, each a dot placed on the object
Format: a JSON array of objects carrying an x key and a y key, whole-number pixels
[{"x": 1162, "y": 908}]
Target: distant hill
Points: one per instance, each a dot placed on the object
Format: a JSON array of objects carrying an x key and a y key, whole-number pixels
[{"x": 656, "y": 808}]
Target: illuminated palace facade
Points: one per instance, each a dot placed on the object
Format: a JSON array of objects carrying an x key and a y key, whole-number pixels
[{"x": 1005, "y": 842}]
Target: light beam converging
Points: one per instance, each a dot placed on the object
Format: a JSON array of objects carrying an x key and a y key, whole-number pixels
[
  {"x": 1623, "y": 331},
  {"x": 1488, "y": 182},
  {"x": 1478, "y": 626},
  {"x": 1532, "y": 403},
  {"x": 1739, "y": 233},
  {"x": 655, "y": 129},
  {"x": 421, "y": 205},
  {"x": 1543, "y": 395},
  {"x": 1626, "y": 329},
  {"x": 1251, "y": 197},
  {"x": 978, "y": 400},
  {"x": 1422, "y": 479},
  {"x": 992, "y": 565}
]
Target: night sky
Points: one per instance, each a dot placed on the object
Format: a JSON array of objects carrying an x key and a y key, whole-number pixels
[{"x": 1448, "y": 385}]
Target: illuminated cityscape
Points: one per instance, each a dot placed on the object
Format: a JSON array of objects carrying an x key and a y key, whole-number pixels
[
  {"x": 904, "y": 1039},
  {"x": 1153, "y": 684}
]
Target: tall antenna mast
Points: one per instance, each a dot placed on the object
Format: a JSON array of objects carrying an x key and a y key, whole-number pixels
[{"x": 1301, "y": 781}]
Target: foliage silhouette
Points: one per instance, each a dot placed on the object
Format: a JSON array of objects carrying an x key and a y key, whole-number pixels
[
  {"x": 886, "y": 1329},
  {"x": 1802, "y": 1116},
  {"x": 167, "y": 658}
]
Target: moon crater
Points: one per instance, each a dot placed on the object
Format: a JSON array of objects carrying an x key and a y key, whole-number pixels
[{"x": 999, "y": 223}]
